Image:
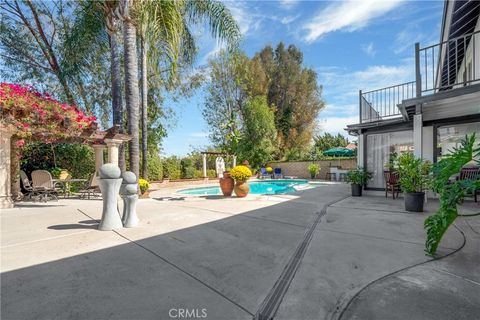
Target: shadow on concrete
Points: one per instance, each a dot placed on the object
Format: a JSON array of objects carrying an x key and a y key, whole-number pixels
[
  {"x": 169, "y": 198},
  {"x": 72, "y": 226},
  {"x": 227, "y": 266}
]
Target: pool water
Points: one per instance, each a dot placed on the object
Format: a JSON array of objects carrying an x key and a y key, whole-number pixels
[{"x": 256, "y": 187}]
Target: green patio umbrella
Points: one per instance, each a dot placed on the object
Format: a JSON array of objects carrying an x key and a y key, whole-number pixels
[{"x": 338, "y": 152}]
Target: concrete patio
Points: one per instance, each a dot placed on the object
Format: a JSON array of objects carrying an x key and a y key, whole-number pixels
[{"x": 227, "y": 255}]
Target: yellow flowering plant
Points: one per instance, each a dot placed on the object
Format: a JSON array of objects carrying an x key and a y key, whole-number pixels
[
  {"x": 241, "y": 173},
  {"x": 269, "y": 169},
  {"x": 144, "y": 185}
]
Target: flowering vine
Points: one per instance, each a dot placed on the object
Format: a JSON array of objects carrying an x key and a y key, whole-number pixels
[{"x": 36, "y": 115}]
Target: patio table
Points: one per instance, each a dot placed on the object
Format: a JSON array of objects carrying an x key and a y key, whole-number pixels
[{"x": 65, "y": 182}]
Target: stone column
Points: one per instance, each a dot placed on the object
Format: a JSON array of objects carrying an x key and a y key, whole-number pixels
[
  {"x": 234, "y": 162},
  {"x": 112, "y": 145},
  {"x": 98, "y": 148},
  {"x": 5, "y": 183},
  {"x": 204, "y": 156},
  {"x": 418, "y": 136}
]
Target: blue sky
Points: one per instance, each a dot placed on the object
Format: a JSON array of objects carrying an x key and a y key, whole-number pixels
[{"x": 352, "y": 45}]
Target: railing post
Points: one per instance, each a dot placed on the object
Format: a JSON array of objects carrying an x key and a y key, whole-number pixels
[
  {"x": 360, "y": 104},
  {"x": 418, "y": 75}
]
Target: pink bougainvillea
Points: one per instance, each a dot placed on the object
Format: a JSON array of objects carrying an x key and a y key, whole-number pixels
[{"x": 37, "y": 115}]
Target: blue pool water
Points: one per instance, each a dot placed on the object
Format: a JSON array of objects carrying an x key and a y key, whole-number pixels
[{"x": 256, "y": 187}]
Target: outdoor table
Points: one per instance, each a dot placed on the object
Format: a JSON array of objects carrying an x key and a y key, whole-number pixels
[{"x": 64, "y": 183}]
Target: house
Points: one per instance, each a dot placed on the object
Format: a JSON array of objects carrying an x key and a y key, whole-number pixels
[
  {"x": 351, "y": 146},
  {"x": 432, "y": 114}
]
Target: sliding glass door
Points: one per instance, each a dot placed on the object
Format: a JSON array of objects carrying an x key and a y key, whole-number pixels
[
  {"x": 450, "y": 136},
  {"x": 379, "y": 148}
]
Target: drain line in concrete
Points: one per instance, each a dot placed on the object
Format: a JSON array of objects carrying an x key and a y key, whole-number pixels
[{"x": 270, "y": 305}]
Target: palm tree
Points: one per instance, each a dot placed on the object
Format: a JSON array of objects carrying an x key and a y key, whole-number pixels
[
  {"x": 165, "y": 25},
  {"x": 132, "y": 95}
]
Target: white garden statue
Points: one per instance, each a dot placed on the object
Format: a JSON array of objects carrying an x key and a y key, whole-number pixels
[{"x": 219, "y": 166}]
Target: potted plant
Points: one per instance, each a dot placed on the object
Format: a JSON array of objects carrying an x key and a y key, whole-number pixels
[
  {"x": 358, "y": 178},
  {"x": 241, "y": 174},
  {"x": 314, "y": 169},
  {"x": 144, "y": 185},
  {"x": 226, "y": 184},
  {"x": 413, "y": 180}
]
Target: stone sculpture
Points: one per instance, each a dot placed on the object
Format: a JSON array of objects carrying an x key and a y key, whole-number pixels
[
  {"x": 110, "y": 183},
  {"x": 129, "y": 194}
]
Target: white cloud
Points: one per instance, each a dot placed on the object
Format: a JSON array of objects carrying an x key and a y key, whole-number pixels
[
  {"x": 289, "y": 19},
  {"x": 288, "y": 4},
  {"x": 369, "y": 49},
  {"x": 348, "y": 16},
  {"x": 336, "y": 125},
  {"x": 245, "y": 16}
]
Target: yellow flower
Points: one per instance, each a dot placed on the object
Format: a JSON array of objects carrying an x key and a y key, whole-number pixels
[{"x": 241, "y": 173}]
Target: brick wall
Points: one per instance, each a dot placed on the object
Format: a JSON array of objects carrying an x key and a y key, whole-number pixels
[{"x": 300, "y": 168}]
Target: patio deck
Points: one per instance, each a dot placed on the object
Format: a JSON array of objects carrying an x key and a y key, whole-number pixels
[{"x": 222, "y": 255}]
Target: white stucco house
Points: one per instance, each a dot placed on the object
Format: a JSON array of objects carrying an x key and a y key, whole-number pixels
[{"x": 431, "y": 114}]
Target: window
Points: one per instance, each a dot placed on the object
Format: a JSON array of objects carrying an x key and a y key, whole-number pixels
[{"x": 450, "y": 136}]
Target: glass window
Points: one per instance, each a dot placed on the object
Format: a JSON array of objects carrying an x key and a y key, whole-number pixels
[
  {"x": 379, "y": 148},
  {"x": 449, "y": 137}
]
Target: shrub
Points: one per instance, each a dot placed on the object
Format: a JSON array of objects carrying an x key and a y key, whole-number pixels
[
  {"x": 155, "y": 167},
  {"x": 171, "y": 168},
  {"x": 77, "y": 159},
  {"x": 143, "y": 185},
  {"x": 413, "y": 172},
  {"x": 188, "y": 171},
  {"x": 211, "y": 173},
  {"x": 359, "y": 176},
  {"x": 314, "y": 169},
  {"x": 198, "y": 174},
  {"x": 241, "y": 173}
]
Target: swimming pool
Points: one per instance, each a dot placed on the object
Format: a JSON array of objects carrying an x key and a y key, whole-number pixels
[{"x": 256, "y": 187}]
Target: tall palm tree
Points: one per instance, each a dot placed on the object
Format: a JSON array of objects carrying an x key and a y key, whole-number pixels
[
  {"x": 165, "y": 25},
  {"x": 132, "y": 95}
]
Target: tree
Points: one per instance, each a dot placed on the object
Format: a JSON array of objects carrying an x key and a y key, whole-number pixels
[
  {"x": 328, "y": 141},
  {"x": 294, "y": 93},
  {"x": 34, "y": 49},
  {"x": 259, "y": 133}
]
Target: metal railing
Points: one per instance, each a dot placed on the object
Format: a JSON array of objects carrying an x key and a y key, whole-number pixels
[
  {"x": 448, "y": 65},
  {"x": 451, "y": 64},
  {"x": 381, "y": 104}
]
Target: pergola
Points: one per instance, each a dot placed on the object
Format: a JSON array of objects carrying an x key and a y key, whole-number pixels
[
  {"x": 36, "y": 116},
  {"x": 206, "y": 153},
  {"x": 100, "y": 140}
]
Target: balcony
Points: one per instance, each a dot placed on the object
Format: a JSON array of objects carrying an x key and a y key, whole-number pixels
[{"x": 448, "y": 65}]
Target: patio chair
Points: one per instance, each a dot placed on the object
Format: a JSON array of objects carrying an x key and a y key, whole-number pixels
[
  {"x": 264, "y": 173},
  {"x": 26, "y": 185},
  {"x": 43, "y": 185},
  {"x": 470, "y": 174},
  {"x": 91, "y": 188},
  {"x": 392, "y": 184},
  {"x": 277, "y": 173}
]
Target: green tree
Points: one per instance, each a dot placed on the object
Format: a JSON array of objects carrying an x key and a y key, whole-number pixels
[
  {"x": 328, "y": 141},
  {"x": 293, "y": 91},
  {"x": 259, "y": 134}
]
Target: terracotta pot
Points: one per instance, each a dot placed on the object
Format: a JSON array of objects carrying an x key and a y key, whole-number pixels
[
  {"x": 226, "y": 184},
  {"x": 241, "y": 189},
  {"x": 145, "y": 195}
]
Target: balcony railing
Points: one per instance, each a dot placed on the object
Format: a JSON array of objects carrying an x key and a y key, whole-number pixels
[
  {"x": 444, "y": 66},
  {"x": 382, "y": 104},
  {"x": 448, "y": 65}
]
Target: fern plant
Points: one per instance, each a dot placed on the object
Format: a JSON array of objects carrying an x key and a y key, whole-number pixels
[{"x": 451, "y": 193}]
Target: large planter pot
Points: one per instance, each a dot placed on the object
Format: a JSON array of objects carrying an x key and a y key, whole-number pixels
[
  {"x": 414, "y": 201},
  {"x": 356, "y": 190},
  {"x": 226, "y": 184},
  {"x": 241, "y": 189}
]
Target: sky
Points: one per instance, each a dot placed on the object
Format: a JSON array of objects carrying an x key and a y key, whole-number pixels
[{"x": 351, "y": 44}]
